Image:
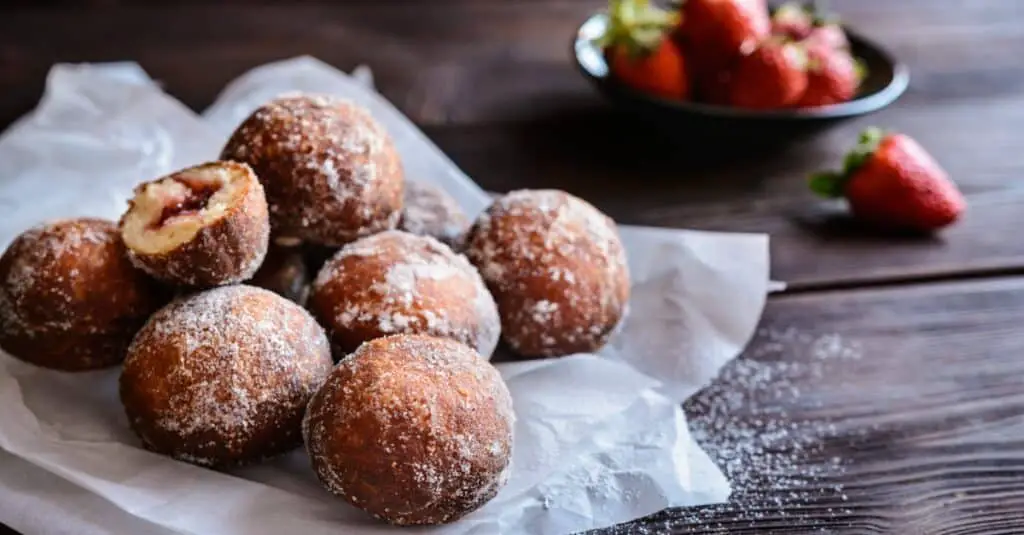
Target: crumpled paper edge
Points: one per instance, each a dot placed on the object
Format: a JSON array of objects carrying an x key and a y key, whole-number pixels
[{"x": 689, "y": 231}]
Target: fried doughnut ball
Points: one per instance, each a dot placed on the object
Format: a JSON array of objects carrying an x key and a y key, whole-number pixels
[
  {"x": 412, "y": 429},
  {"x": 399, "y": 283},
  {"x": 221, "y": 378},
  {"x": 331, "y": 172},
  {"x": 284, "y": 273},
  {"x": 429, "y": 211},
  {"x": 70, "y": 299},
  {"x": 557, "y": 269},
  {"x": 201, "y": 227}
]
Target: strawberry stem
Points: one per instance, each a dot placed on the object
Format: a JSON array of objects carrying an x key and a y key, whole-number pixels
[
  {"x": 866, "y": 146},
  {"x": 832, "y": 184},
  {"x": 637, "y": 26},
  {"x": 794, "y": 9},
  {"x": 860, "y": 69},
  {"x": 828, "y": 184}
]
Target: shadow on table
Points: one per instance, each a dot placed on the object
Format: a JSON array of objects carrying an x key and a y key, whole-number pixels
[
  {"x": 638, "y": 173},
  {"x": 831, "y": 221},
  {"x": 592, "y": 149}
]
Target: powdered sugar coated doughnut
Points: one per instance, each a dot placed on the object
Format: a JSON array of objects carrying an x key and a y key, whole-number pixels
[
  {"x": 330, "y": 170},
  {"x": 199, "y": 227},
  {"x": 429, "y": 211},
  {"x": 395, "y": 282},
  {"x": 69, "y": 297},
  {"x": 412, "y": 429},
  {"x": 557, "y": 269},
  {"x": 221, "y": 378}
]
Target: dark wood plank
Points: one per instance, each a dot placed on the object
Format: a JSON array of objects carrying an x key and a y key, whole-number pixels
[
  {"x": 869, "y": 411},
  {"x": 421, "y": 53},
  {"x": 909, "y": 421},
  {"x": 872, "y": 411},
  {"x": 599, "y": 156},
  {"x": 498, "y": 61},
  {"x": 492, "y": 84},
  {"x": 159, "y": 3}
]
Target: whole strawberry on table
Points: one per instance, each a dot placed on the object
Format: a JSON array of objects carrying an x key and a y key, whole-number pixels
[
  {"x": 891, "y": 182},
  {"x": 639, "y": 51},
  {"x": 732, "y": 53}
]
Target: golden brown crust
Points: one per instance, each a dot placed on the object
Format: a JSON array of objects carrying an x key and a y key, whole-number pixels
[
  {"x": 69, "y": 298},
  {"x": 395, "y": 282},
  {"x": 557, "y": 269},
  {"x": 227, "y": 250},
  {"x": 330, "y": 170},
  {"x": 412, "y": 429},
  {"x": 429, "y": 211},
  {"x": 221, "y": 378},
  {"x": 284, "y": 273}
]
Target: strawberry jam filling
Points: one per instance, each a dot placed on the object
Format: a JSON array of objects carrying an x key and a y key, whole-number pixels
[{"x": 199, "y": 194}]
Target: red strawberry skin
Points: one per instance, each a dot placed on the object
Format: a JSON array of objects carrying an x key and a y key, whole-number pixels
[
  {"x": 715, "y": 32},
  {"x": 832, "y": 78},
  {"x": 715, "y": 87},
  {"x": 660, "y": 72},
  {"x": 901, "y": 186},
  {"x": 828, "y": 37},
  {"x": 773, "y": 76}
]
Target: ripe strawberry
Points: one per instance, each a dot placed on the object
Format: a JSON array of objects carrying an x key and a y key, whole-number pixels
[
  {"x": 773, "y": 76},
  {"x": 715, "y": 87},
  {"x": 793, "y": 20},
  {"x": 889, "y": 180},
  {"x": 828, "y": 35},
  {"x": 715, "y": 32},
  {"x": 833, "y": 76},
  {"x": 639, "y": 52},
  {"x": 660, "y": 72}
]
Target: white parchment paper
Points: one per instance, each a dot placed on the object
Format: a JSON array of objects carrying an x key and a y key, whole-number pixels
[{"x": 600, "y": 439}]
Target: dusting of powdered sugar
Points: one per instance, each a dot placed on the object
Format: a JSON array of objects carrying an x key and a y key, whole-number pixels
[
  {"x": 324, "y": 161},
  {"x": 435, "y": 416},
  {"x": 429, "y": 211},
  {"x": 43, "y": 265},
  {"x": 758, "y": 422},
  {"x": 543, "y": 311},
  {"x": 558, "y": 267},
  {"x": 395, "y": 282},
  {"x": 234, "y": 363},
  {"x": 223, "y": 240}
]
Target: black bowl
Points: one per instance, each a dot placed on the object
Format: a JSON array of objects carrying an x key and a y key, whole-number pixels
[{"x": 887, "y": 80}]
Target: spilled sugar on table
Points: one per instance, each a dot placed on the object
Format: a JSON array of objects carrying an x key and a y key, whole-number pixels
[{"x": 882, "y": 392}]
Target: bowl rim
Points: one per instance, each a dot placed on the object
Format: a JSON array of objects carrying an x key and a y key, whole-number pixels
[{"x": 859, "y": 106}]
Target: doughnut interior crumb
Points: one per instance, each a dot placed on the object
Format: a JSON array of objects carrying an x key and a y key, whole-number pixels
[{"x": 169, "y": 212}]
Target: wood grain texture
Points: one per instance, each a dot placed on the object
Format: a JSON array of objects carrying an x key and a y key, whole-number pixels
[
  {"x": 922, "y": 433},
  {"x": 492, "y": 83},
  {"x": 918, "y": 430},
  {"x": 501, "y": 60},
  {"x": 597, "y": 155}
]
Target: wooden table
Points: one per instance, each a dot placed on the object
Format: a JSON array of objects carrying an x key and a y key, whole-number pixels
[{"x": 919, "y": 429}]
